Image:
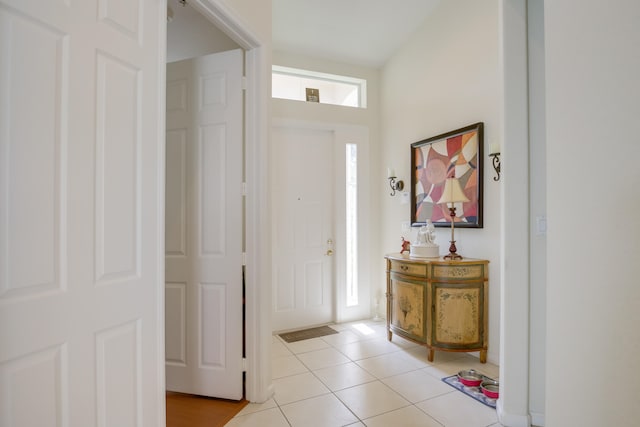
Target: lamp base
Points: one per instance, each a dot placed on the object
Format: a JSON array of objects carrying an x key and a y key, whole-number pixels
[{"x": 452, "y": 252}]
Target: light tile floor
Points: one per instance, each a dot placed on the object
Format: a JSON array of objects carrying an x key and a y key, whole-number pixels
[{"x": 358, "y": 378}]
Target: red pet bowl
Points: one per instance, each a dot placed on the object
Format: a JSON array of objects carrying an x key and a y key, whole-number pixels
[
  {"x": 470, "y": 378},
  {"x": 491, "y": 389}
]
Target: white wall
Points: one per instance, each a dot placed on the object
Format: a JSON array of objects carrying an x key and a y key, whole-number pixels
[
  {"x": 593, "y": 179},
  {"x": 190, "y": 35},
  {"x": 444, "y": 78},
  {"x": 537, "y": 208},
  {"x": 513, "y": 405},
  {"x": 256, "y": 15}
]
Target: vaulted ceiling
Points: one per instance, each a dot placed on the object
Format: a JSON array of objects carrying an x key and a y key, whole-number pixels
[{"x": 362, "y": 32}]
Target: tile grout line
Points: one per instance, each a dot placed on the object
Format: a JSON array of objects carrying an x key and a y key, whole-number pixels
[
  {"x": 434, "y": 370},
  {"x": 376, "y": 379}
]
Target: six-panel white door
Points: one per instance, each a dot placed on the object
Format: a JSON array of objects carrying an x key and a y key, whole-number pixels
[
  {"x": 304, "y": 161},
  {"x": 81, "y": 198},
  {"x": 204, "y": 217}
]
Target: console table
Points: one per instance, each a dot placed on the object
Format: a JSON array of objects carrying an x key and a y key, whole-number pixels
[{"x": 439, "y": 303}]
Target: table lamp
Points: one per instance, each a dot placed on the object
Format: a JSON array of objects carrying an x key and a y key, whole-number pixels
[{"x": 451, "y": 194}]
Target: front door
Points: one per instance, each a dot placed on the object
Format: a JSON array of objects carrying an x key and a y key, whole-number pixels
[
  {"x": 304, "y": 162},
  {"x": 204, "y": 231},
  {"x": 81, "y": 180}
]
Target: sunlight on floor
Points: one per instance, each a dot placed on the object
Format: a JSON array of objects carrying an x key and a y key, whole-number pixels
[
  {"x": 363, "y": 329},
  {"x": 359, "y": 378}
]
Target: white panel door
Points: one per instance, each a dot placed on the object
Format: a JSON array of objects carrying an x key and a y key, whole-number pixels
[
  {"x": 81, "y": 165},
  {"x": 304, "y": 170},
  {"x": 204, "y": 331}
]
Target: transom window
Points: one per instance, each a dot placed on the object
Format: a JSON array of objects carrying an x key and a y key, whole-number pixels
[{"x": 304, "y": 85}]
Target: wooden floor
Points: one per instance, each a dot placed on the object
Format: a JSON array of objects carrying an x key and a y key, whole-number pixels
[{"x": 184, "y": 410}]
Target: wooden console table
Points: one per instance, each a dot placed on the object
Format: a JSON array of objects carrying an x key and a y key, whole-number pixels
[{"x": 441, "y": 304}]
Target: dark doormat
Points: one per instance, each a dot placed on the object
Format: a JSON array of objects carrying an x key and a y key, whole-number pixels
[{"x": 306, "y": 334}]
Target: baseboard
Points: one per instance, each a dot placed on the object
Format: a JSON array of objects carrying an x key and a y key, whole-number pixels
[
  {"x": 266, "y": 394},
  {"x": 537, "y": 419},
  {"x": 511, "y": 420}
]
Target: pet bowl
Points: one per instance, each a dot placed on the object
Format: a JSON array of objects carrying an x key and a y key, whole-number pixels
[
  {"x": 470, "y": 377},
  {"x": 490, "y": 388}
]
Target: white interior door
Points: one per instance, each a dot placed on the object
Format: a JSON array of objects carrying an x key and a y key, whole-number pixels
[
  {"x": 204, "y": 230},
  {"x": 80, "y": 213},
  {"x": 304, "y": 242}
]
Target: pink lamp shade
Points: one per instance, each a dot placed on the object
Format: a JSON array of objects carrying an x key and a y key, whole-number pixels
[{"x": 452, "y": 192}]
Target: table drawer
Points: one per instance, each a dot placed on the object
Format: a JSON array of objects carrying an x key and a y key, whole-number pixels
[
  {"x": 409, "y": 268},
  {"x": 463, "y": 271}
]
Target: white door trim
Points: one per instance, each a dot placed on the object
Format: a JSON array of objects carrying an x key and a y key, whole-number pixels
[
  {"x": 161, "y": 43},
  {"x": 259, "y": 387}
]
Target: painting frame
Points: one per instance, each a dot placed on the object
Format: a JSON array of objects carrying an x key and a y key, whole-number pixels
[{"x": 459, "y": 154}]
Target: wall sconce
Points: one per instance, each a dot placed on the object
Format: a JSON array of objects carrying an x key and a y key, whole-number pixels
[
  {"x": 395, "y": 185},
  {"x": 495, "y": 158}
]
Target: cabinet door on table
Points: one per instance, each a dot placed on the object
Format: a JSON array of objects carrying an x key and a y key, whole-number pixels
[
  {"x": 457, "y": 315},
  {"x": 407, "y": 310}
]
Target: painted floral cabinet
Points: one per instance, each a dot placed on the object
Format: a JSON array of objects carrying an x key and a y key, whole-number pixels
[{"x": 438, "y": 303}]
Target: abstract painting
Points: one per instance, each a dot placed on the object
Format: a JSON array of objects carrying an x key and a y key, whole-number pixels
[{"x": 456, "y": 154}]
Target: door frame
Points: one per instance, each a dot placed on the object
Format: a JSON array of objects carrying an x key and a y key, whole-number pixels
[
  {"x": 258, "y": 383},
  {"x": 343, "y": 134}
]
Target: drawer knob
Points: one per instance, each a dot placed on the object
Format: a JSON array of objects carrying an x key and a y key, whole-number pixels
[{"x": 404, "y": 267}]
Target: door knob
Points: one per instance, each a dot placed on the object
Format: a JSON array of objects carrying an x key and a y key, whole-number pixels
[{"x": 329, "y": 252}]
